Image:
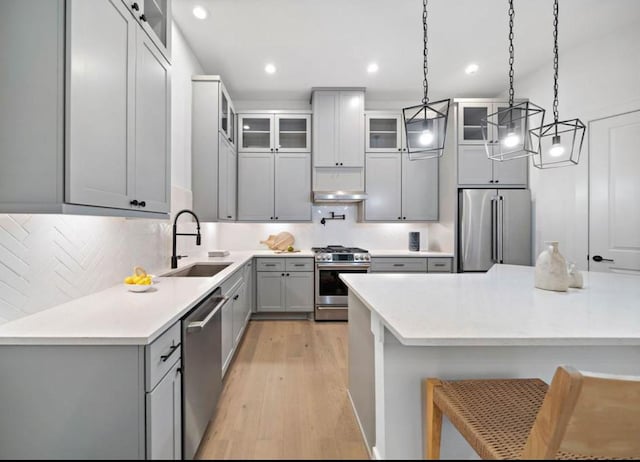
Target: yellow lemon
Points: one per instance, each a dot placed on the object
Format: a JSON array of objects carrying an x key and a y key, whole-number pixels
[
  {"x": 145, "y": 282},
  {"x": 129, "y": 280}
]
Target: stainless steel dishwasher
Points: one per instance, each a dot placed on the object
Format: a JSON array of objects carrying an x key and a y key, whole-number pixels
[{"x": 201, "y": 369}]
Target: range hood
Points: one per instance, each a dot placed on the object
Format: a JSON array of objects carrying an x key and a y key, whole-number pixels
[{"x": 339, "y": 196}]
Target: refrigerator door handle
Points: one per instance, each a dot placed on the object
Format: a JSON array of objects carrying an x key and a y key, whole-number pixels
[
  {"x": 500, "y": 233},
  {"x": 494, "y": 233}
]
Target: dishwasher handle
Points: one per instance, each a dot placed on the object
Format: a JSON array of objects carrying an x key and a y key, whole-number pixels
[{"x": 197, "y": 326}]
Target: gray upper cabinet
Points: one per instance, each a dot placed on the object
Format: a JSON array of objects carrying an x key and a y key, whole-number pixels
[
  {"x": 154, "y": 16},
  {"x": 256, "y": 194},
  {"x": 107, "y": 109},
  {"x": 227, "y": 117},
  {"x": 338, "y": 128},
  {"x": 420, "y": 188},
  {"x": 214, "y": 155},
  {"x": 100, "y": 145},
  {"x": 384, "y": 187},
  {"x": 384, "y": 132},
  {"x": 293, "y": 187},
  {"x": 401, "y": 189},
  {"x": 274, "y": 186},
  {"x": 274, "y": 132},
  {"x": 474, "y": 166},
  {"x": 153, "y": 86}
]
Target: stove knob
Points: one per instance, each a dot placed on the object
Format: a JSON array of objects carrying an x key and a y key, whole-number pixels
[{"x": 358, "y": 257}]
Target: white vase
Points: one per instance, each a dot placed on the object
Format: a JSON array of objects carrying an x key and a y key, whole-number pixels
[
  {"x": 575, "y": 277},
  {"x": 551, "y": 269}
]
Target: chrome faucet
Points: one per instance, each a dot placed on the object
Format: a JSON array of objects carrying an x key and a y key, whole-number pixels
[{"x": 174, "y": 257}]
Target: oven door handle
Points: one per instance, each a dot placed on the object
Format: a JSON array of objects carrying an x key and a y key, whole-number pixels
[{"x": 355, "y": 266}]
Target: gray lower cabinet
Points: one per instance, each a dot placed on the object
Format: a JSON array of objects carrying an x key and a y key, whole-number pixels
[
  {"x": 400, "y": 189},
  {"x": 227, "y": 181},
  {"x": 285, "y": 290},
  {"x": 411, "y": 265},
  {"x": 98, "y": 142},
  {"x": 92, "y": 401},
  {"x": 236, "y": 311},
  {"x": 274, "y": 186},
  {"x": 240, "y": 309},
  {"x": 270, "y": 291},
  {"x": 164, "y": 416},
  {"x": 227, "y": 334}
]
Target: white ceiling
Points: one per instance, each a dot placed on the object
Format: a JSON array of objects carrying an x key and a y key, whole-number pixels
[{"x": 331, "y": 42}]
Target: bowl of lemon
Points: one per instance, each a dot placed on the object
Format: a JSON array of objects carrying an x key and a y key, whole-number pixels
[{"x": 139, "y": 281}]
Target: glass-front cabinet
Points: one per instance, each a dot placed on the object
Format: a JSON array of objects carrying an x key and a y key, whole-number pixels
[
  {"x": 255, "y": 132},
  {"x": 470, "y": 117},
  {"x": 155, "y": 18},
  {"x": 227, "y": 117},
  {"x": 383, "y": 132},
  {"x": 269, "y": 132}
]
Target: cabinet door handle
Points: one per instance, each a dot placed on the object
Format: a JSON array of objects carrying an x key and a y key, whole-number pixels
[
  {"x": 143, "y": 18},
  {"x": 497, "y": 181},
  {"x": 269, "y": 264},
  {"x": 172, "y": 350},
  {"x": 398, "y": 264},
  {"x": 439, "y": 265},
  {"x": 134, "y": 203},
  {"x": 341, "y": 163},
  {"x": 336, "y": 163},
  {"x": 490, "y": 181},
  {"x": 404, "y": 218},
  {"x": 298, "y": 264},
  {"x": 229, "y": 216},
  {"x": 399, "y": 149},
  {"x": 271, "y": 149},
  {"x": 288, "y": 275},
  {"x": 143, "y": 204},
  {"x": 236, "y": 297},
  {"x": 276, "y": 149},
  {"x": 282, "y": 274},
  {"x": 135, "y": 7}
]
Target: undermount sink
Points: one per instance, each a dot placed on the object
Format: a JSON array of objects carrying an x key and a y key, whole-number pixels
[{"x": 201, "y": 270}]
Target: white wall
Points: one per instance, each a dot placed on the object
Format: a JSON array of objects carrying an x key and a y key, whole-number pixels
[
  {"x": 600, "y": 78},
  {"x": 46, "y": 260}
]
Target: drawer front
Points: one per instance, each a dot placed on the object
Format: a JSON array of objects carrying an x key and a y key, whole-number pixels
[
  {"x": 299, "y": 264},
  {"x": 161, "y": 355},
  {"x": 232, "y": 281},
  {"x": 399, "y": 265},
  {"x": 270, "y": 264},
  {"x": 440, "y": 265}
]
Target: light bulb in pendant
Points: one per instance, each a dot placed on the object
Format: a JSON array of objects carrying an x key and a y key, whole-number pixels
[
  {"x": 511, "y": 140},
  {"x": 556, "y": 149},
  {"x": 426, "y": 138}
]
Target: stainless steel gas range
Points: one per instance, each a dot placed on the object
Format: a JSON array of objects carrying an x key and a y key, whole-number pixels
[{"x": 330, "y": 292}]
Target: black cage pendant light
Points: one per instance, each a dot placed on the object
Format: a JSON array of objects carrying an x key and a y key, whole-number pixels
[
  {"x": 559, "y": 143},
  {"x": 507, "y": 133},
  {"x": 425, "y": 125}
]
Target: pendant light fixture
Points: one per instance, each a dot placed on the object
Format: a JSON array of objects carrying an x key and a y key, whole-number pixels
[
  {"x": 507, "y": 132},
  {"x": 559, "y": 143},
  {"x": 425, "y": 125}
]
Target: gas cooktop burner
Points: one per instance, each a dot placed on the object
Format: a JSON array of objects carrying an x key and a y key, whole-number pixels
[{"x": 338, "y": 249}]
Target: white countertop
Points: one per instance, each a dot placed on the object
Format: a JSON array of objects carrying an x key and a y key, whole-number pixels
[
  {"x": 116, "y": 316},
  {"x": 502, "y": 307}
]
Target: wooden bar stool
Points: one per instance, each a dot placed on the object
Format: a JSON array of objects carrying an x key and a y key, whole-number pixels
[{"x": 581, "y": 415}]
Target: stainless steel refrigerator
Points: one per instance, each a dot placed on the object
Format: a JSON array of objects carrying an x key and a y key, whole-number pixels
[{"x": 495, "y": 227}]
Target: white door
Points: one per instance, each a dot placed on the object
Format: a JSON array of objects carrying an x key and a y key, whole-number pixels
[
  {"x": 614, "y": 192},
  {"x": 384, "y": 187},
  {"x": 152, "y": 177},
  {"x": 256, "y": 186},
  {"x": 101, "y": 104},
  {"x": 293, "y": 187}
]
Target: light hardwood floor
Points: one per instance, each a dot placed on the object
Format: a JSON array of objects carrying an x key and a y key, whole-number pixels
[{"x": 285, "y": 396}]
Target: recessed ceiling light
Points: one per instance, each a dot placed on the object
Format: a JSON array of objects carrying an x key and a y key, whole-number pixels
[
  {"x": 372, "y": 68},
  {"x": 199, "y": 12},
  {"x": 270, "y": 69},
  {"x": 471, "y": 69}
]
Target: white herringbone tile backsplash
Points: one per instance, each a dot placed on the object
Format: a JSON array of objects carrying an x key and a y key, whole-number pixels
[{"x": 46, "y": 260}]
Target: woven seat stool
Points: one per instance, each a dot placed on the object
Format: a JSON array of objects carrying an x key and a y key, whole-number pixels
[{"x": 527, "y": 419}]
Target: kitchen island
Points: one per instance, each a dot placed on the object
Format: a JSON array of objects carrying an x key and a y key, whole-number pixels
[{"x": 403, "y": 328}]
